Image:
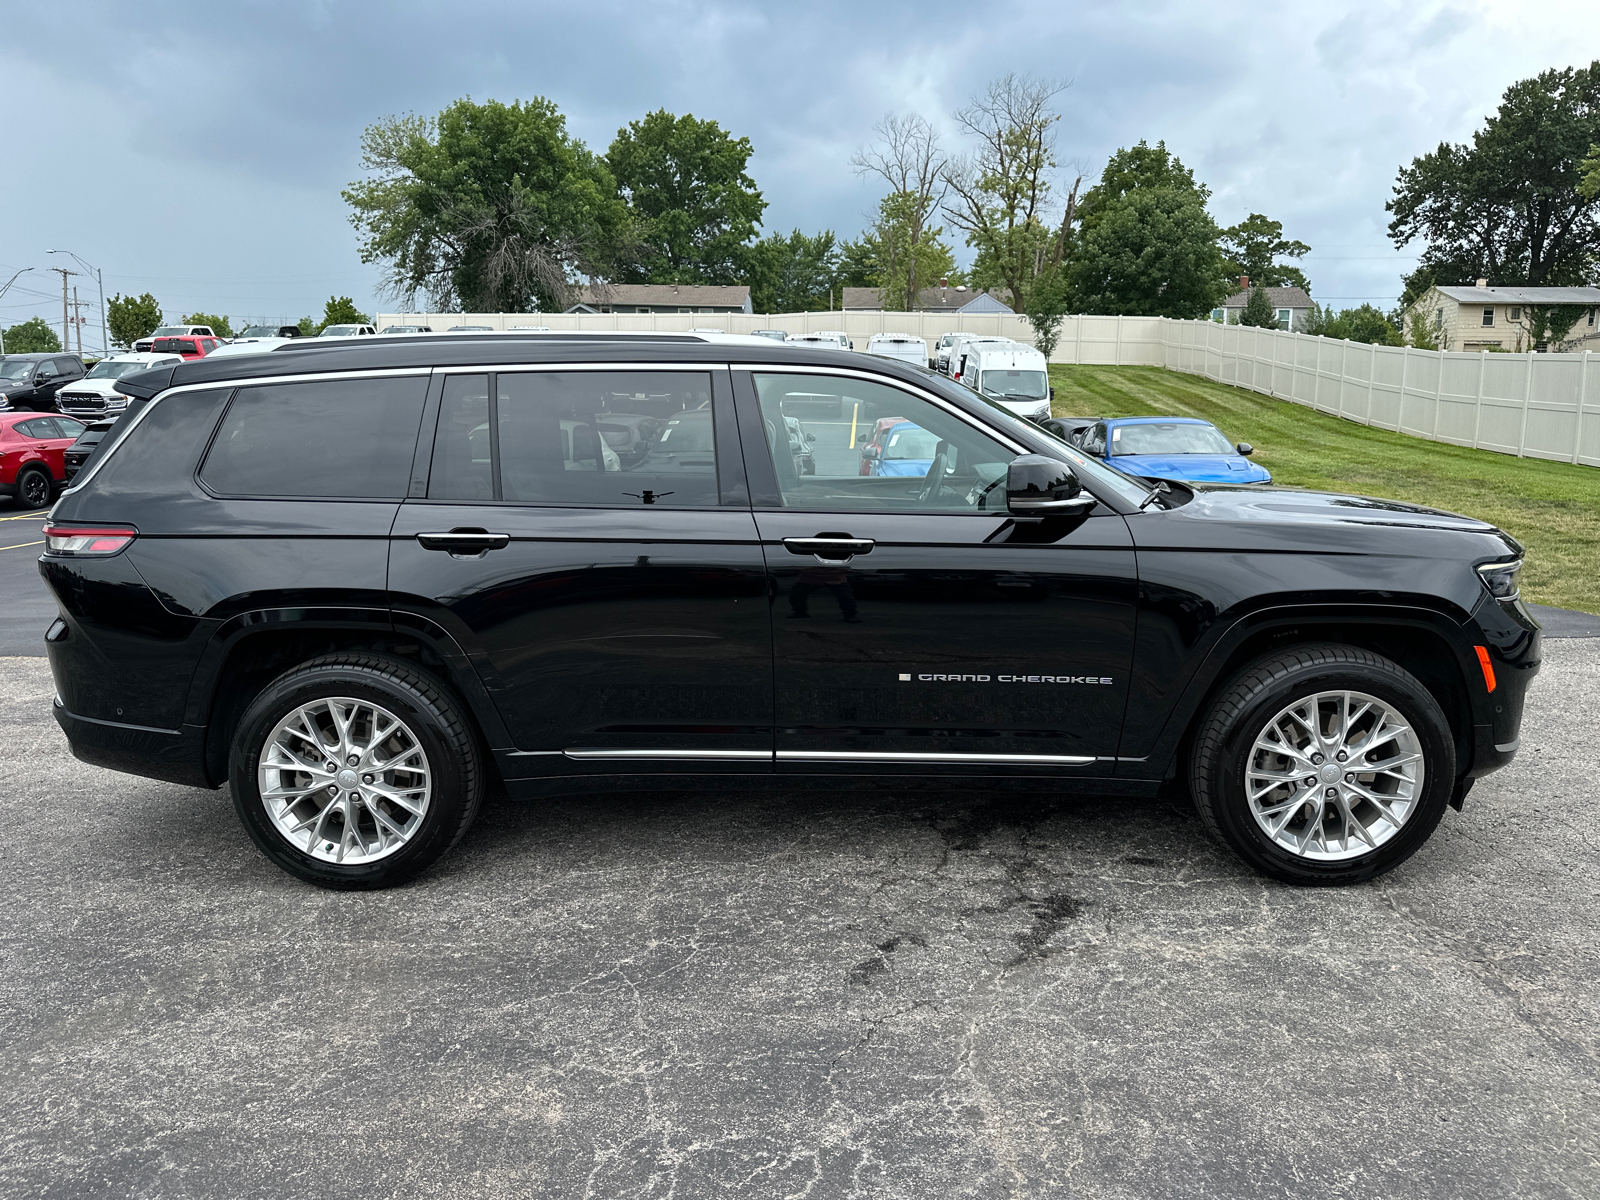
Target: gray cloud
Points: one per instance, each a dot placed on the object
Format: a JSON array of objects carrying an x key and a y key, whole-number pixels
[{"x": 201, "y": 157}]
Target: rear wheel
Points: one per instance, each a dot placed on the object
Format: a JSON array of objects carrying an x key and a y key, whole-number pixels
[
  {"x": 33, "y": 488},
  {"x": 355, "y": 771},
  {"x": 1323, "y": 765}
]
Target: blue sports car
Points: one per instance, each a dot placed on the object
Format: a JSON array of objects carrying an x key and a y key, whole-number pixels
[
  {"x": 1177, "y": 448},
  {"x": 908, "y": 450}
]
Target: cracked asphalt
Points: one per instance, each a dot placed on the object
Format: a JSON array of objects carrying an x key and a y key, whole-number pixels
[{"x": 807, "y": 993}]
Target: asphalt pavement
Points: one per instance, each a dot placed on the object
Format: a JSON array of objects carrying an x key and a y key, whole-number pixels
[
  {"x": 890, "y": 993},
  {"x": 26, "y": 608}
]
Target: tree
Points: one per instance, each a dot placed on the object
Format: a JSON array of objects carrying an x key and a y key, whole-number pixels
[
  {"x": 1147, "y": 246},
  {"x": 32, "y": 336},
  {"x": 342, "y": 310},
  {"x": 793, "y": 273},
  {"x": 1000, "y": 195},
  {"x": 1254, "y": 245},
  {"x": 1549, "y": 324},
  {"x": 1047, "y": 306},
  {"x": 1509, "y": 207},
  {"x": 488, "y": 207},
  {"x": 859, "y": 263},
  {"x": 309, "y": 327},
  {"x": 1258, "y": 310},
  {"x": 218, "y": 325},
  {"x": 1317, "y": 319},
  {"x": 130, "y": 318},
  {"x": 1365, "y": 324},
  {"x": 1422, "y": 332},
  {"x": 1589, "y": 182},
  {"x": 694, "y": 207},
  {"x": 909, "y": 159}
]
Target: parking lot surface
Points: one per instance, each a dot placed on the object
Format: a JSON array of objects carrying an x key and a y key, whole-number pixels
[{"x": 814, "y": 993}]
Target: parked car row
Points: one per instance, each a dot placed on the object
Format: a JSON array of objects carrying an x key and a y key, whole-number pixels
[{"x": 33, "y": 448}]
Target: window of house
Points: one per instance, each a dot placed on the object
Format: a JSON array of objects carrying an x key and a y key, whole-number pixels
[
  {"x": 1591, "y": 318},
  {"x": 1285, "y": 316},
  {"x": 1440, "y": 316},
  {"x": 1488, "y": 316},
  {"x": 1516, "y": 314},
  {"x": 1219, "y": 315}
]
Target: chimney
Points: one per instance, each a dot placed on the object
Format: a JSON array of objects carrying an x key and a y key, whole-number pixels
[
  {"x": 1244, "y": 283},
  {"x": 1483, "y": 283},
  {"x": 944, "y": 283}
]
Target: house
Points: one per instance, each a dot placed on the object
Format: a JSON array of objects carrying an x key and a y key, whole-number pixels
[
  {"x": 661, "y": 298},
  {"x": 1291, "y": 304},
  {"x": 1496, "y": 318},
  {"x": 938, "y": 299}
]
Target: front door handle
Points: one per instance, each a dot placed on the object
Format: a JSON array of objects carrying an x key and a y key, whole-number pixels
[
  {"x": 831, "y": 549},
  {"x": 464, "y": 541}
]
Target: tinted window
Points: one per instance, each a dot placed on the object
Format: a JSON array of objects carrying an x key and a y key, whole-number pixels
[
  {"x": 616, "y": 438},
  {"x": 33, "y": 429},
  {"x": 68, "y": 428},
  {"x": 924, "y": 459},
  {"x": 47, "y": 370},
  {"x": 342, "y": 438}
]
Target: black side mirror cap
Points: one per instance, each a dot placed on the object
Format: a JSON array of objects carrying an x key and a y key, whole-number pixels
[
  {"x": 1245, "y": 448},
  {"x": 1038, "y": 486}
]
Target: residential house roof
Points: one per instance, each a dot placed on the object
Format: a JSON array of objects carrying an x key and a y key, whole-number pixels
[
  {"x": 1521, "y": 295},
  {"x": 1280, "y": 297},
  {"x": 652, "y": 294},
  {"x": 934, "y": 299}
]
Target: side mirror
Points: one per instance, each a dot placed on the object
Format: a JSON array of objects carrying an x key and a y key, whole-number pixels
[
  {"x": 1245, "y": 448},
  {"x": 811, "y": 437},
  {"x": 1050, "y": 393},
  {"x": 1037, "y": 486},
  {"x": 869, "y": 452}
]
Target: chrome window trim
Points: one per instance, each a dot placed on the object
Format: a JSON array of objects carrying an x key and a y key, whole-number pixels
[
  {"x": 309, "y": 377},
  {"x": 524, "y": 368}
]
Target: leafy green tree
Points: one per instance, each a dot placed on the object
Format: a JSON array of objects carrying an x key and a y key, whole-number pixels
[
  {"x": 693, "y": 205},
  {"x": 1549, "y": 324},
  {"x": 218, "y": 325},
  {"x": 793, "y": 273},
  {"x": 1365, "y": 324},
  {"x": 342, "y": 310},
  {"x": 1001, "y": 197},
  {"x": 911, "y": 255},
  {"x": 859, "y": 265},
  {"x": 32, "y": 336},
  {"x": 1047, "y": 307},
  {"x": 130, "y": 318},
  {"x": 1589, "y": 182},
  {"x": 1258, "y": 310},
  {"x": 1423, "y": 332},
  {"x": 1253, "y": 247},
  {"x": 487, "y": 207},
  {"x": 1510, "y": 207},
  {"x": 1147, "y": 245},
  {"x": 309, "y": 327},
  {"x": 1316, "y": 321}
]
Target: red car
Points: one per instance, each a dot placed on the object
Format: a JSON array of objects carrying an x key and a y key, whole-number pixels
[
  {"x": 32, "y": 455},
  {"x": 195, "y": 346},
  {"x": 872, "y": 444}
]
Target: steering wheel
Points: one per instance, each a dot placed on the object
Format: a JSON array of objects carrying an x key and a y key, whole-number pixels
[{"x": 929, "y": 496}]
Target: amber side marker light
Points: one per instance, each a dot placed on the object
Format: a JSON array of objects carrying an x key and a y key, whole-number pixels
[
  {"x": 82, "y": 541},
  {"x": 1488, "y": 667}
]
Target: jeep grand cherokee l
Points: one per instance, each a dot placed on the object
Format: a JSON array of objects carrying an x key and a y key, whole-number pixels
[{"x": 360, "y": 581}]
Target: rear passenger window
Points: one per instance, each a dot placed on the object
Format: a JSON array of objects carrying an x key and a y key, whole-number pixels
[
  {"x": 613, "y": 438},
  {"x": 344, "y": 438}
]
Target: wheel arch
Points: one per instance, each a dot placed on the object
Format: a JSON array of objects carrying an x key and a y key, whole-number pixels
[
  {"x": 1425, "y": 643},
  {"x": 250, "y": 650}
]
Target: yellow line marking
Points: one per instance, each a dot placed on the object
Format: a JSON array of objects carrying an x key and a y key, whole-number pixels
[
  {"x": 854, "y": 413},
  {"x": 22, "y": 545},
  {"x": 33, "y": 516}
]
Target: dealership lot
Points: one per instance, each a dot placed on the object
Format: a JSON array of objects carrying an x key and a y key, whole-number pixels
[{"x": 894, "y": 993}]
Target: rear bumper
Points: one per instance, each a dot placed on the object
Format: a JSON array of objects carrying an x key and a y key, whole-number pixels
[{"x": 172, "y": 755}]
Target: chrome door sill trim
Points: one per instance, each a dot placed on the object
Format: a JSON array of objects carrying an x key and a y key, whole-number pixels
[
  {"x": 721, "y": 755},
  {"x": 871, "y": 756}
]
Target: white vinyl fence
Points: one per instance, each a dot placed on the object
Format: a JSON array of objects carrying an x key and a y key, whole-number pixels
[{"x": 1532, "y": 405}]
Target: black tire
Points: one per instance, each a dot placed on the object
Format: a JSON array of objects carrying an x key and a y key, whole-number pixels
[
  {"x": 435, "y": 718},
  {"x": 1225, "y": 735},
  {"x": 33, "y": 488}
]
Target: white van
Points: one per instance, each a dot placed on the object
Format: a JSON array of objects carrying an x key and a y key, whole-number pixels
[
  {"x": 1009, "y": 373},
  {"x": 899, "y": 346},
  {"x": 823, "y": 341},
  {"x": 839, "y": 336},
  {"x": 946, "y": 353}
]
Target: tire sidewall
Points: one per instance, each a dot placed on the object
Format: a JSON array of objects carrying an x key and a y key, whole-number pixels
[
  {"x": 448, "y": 778},
  {"x": 1413, "y": 702},
  {"x": 22, "y": 482}
]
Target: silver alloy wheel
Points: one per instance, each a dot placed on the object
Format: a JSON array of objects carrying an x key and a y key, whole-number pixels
[
  {"x": 345, "y": 780},
  {"x": 1334, "y": 775}
]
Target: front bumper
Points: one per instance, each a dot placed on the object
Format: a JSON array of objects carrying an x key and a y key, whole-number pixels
[{"x": 1515, "y": 647}]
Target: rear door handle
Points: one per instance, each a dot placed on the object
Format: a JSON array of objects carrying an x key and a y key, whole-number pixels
[
  {"x": 464, "y": 541},
  {"x": 830, "y": 550}
]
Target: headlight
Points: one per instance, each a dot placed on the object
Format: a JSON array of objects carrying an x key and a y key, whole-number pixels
[{"x": 1501, "y": 578}]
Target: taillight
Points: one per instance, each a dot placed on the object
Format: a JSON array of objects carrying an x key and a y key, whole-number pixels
[{"x": 79, "y": 541}]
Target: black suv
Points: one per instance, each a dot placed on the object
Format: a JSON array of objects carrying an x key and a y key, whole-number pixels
[
  {"x": 29, "y": 382},
  {"x": 364, "y": 582}
]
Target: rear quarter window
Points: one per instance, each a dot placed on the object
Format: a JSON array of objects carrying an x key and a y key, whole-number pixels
[
  {"x": 338, "y": 439},
  {"x": 156, "y": 456}
]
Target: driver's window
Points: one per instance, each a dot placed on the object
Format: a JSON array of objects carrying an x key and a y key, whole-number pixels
[
  {"x": 842, "y": 444},
  {"x": 47, "y": 370}
]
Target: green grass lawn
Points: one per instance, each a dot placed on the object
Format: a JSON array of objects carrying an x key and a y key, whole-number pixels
[{"x": 1552, "y": 508}]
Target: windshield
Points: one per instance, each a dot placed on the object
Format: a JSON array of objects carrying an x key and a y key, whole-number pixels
[
  {"x": 911, "y": 442},
  {"x": 258, "y": 331},
  {"x": 171, "y": 331},
  {"x": 1004, "y": 385},
  {"x": 114, "y": 370},
  {"x": 1168, "y": 439},
  {"x": 16, "y": 368}
]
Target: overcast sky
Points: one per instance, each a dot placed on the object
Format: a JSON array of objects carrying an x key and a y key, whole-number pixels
[{"x": 198, "y": 153}]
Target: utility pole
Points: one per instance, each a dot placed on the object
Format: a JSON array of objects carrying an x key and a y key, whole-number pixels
[
  {"x": 77, "y": 318},
  {"x": 105, "y": 337},
  {"x": 3, "y": 291},
  {"x": 66, "y": 336}
]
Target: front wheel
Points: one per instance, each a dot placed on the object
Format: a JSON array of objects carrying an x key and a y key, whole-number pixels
[
  {"x": 355, "y": 771},
  {"x": 1325, "y": 764}
]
